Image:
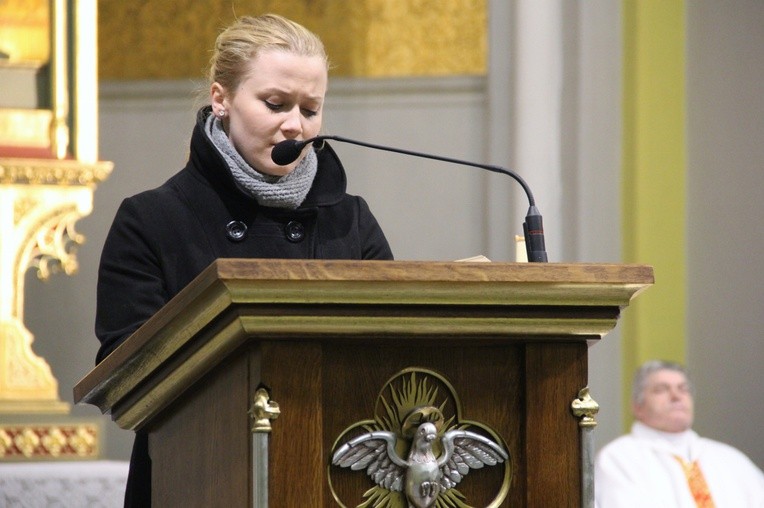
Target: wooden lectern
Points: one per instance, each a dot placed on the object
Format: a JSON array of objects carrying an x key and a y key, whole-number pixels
[{"x": 324, "y": 337}]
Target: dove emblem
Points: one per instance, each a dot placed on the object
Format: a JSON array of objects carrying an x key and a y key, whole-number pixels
[{"x": 422, "y": 476}]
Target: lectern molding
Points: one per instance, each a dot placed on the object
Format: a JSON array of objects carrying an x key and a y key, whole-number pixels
[{"x": 235, "y": 299}]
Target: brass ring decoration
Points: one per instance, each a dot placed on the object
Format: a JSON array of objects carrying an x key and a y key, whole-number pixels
[{"x": 417, "y": 449}]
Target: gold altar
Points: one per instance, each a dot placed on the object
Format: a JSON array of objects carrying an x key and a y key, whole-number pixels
[{"x": 49, "y": 169}]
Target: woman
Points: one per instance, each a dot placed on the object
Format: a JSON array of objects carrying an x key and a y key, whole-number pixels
[{"x": 268, "y": 83}]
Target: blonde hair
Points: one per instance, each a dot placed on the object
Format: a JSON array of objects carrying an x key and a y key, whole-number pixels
[{"x": 238, "y": 44}]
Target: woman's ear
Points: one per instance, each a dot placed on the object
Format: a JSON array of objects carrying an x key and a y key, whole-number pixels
[{"x": 218, "y": 99}]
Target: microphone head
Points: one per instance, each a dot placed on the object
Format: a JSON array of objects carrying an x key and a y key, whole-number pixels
[{"x": 287, "y": 151}]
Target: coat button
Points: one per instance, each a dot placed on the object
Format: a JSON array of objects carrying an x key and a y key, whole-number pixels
[
  {"x": 236, "y": 230},
  {"x": 295, "y": 231}
]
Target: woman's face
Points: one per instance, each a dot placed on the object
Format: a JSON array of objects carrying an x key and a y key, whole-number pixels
[{"x": 281, "y": 97}]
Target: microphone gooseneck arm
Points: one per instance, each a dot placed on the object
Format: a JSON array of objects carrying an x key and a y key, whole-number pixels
[{"x": 289, "y": 150}]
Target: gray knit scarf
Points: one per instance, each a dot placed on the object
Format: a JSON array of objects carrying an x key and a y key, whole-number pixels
[{"x": 286, "y": 191}]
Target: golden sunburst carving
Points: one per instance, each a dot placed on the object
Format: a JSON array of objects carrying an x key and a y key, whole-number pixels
[{"x": 409, "y": 399}]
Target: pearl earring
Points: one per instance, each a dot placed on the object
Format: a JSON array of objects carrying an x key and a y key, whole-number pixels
[{"x": 221, "y": 113}]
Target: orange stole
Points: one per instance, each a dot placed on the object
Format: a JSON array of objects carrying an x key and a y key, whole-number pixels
[{"x": 697, "y": 483}]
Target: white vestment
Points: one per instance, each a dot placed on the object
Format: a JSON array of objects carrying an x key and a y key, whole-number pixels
[{"x": 640, "y": 470}]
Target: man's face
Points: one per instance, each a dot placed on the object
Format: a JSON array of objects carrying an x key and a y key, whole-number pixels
[{"x": 667, "y": 403}]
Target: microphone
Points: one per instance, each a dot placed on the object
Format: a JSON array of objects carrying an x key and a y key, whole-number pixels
[{"x": 288, "y": 151}]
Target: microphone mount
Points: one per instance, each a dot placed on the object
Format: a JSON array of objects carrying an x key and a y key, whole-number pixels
[{"x": 289, "y": 150}]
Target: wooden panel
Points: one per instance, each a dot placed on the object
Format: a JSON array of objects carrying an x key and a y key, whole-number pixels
[
  {"x": 203, "y": 444},
  {"x": 554, "y": 373},
  {"x": 322, "y": 389},
  {"x": 487, "y": 379},
  {"x": 293, "y": 373}
]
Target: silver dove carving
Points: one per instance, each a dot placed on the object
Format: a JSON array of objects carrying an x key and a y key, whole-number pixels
[
  {"x": 416, "y": 450},
  {"x": 422, "y": 476}
]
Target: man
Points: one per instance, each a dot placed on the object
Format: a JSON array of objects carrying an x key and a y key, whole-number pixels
[{"x": 663, "y": 463}]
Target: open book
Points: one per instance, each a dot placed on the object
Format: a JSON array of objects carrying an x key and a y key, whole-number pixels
[
  {"x": 475, "y": 259},
  {"x": 521, "y": 256}
]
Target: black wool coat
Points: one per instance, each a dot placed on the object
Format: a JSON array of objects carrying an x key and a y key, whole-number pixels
[{"x": 162, "y": 238}]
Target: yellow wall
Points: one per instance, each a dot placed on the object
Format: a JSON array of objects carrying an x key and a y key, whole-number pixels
[
  {"x": 162, "y": 39},
  {"x": 653, "y": 193}
]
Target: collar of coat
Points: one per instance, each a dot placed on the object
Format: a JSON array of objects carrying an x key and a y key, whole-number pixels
[{"x": 329, "y": 185}]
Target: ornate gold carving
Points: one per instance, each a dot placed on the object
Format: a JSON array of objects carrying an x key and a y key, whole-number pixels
[
  {"x": 263, "y": 411},
  {"x": 585, "y": 408},
  {"x": 48, "y": 441},
  {"x": 44, "y": 189},
  {"x": 418, "y": 406},
  {"x": 40, "y": 202},
  {"x": 55, "y": 244},
  {"x": 27, "y": 384},
  {"x": 17, "y": 171}
]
